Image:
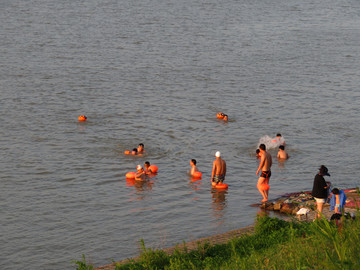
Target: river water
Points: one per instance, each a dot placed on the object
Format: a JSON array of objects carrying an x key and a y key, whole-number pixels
[{"x": 158, "y": 72}]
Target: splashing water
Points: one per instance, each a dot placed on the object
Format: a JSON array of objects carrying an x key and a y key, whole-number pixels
[{"x": 271, "y": 143}]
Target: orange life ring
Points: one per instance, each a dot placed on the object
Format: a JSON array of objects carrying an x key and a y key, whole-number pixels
[
  {"x": 127, "y": 152},
  {"x": 220, "y": 115},
  {"x": 153, "y": 168},
  {"x": 221, "y": 186},
  {"x": 130, "y": 175},
  {"x": 82, "y": 118},
  {"x": 264, "y": 187},
  {"x": 197, "y": 174}
]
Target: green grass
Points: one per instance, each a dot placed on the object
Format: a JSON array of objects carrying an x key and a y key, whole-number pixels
[{"x": 275, "y": 244}]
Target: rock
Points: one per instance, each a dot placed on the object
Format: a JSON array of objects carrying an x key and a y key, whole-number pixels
[
  {"x": 287, "y": 208},
  {"x": 277, "y": 206}
]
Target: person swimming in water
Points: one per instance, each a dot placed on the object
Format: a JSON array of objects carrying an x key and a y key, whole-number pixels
[
  {"x": 140, "y": 148},
  {"x": 282, "y": 154},
  {"x": 140, "y": 174},
  {"x": 264, "y": 167},
  {"x": 147, "y": 167},
  {"x": 193, "y": 167},
  {"x": 134, "y": 151},
  {"x": 219, "y": 170}
]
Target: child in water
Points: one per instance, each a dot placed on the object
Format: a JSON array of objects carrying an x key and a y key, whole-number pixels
[
  {"x": 282, "y": 154},
  {"x": 147, "y": 167},
  {"x": 193, "y": 166}
]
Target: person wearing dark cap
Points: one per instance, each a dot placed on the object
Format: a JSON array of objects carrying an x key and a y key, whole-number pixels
[{"x": 320, "y": 189}]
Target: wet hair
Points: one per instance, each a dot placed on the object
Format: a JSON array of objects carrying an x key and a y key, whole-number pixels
[
  {"x": 257, "y": 151},
  {"x": 262, "y": 147},
  {"x": 335, "y": 191},
  {"x": 135, "y": 150},
  {"x": 278, "y": 135},
  {"x": 193, "y": 161},
  {"x": 141, "y": 144},
  {"x": 147, "y": 163},
  {"x": 282, "y": 147}
]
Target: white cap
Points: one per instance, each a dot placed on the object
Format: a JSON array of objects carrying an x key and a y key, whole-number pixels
[
  {"x": 138, "y": 167},
  {"x": 217, "y": 154}
]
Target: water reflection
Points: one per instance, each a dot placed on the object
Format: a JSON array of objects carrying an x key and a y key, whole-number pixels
[
  {"x": 218, "y": 204},
  {"x": 195, "y": 183},
  {"x": 141, "y": 188}
]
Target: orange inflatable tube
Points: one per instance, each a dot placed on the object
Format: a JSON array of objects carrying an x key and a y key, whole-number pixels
[
  {"x": 220, "y": 115},
  {"x": 130, "y": 175},
  {"x": 221, "y": 186},
  {"x": 264, "y": 187},
  {"x": 82, "y": 118},
  {"x": 153, "y": 168},
  {"x": 127, "y": 152},
  {"x": 197, "y": 174}
]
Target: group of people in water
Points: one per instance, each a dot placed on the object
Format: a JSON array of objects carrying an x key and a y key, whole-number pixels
[{"x": 218, "y": 172}]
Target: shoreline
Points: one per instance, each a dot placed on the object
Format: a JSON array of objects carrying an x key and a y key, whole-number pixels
[{"x": 225, "y": 237}]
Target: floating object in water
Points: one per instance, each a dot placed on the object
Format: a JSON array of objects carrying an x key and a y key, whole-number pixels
[
  {"x": 225, "y": 117},
  {"x": 130, "y": 175},
  {"x": 220, "y": 115},
  {"x": 221, "y": 186},
  {"x": 153, "y": 168},
  {"x": 197, "y": 174},
  {"x": 127, "y": 152},
  {"x": 82, "y": 118},
  {"x": 264, "y": 187}
]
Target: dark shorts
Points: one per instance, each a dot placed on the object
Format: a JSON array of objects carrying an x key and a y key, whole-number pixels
[
  {"x": 266, "y": 174},
  {"x": 218, "y": 178}
]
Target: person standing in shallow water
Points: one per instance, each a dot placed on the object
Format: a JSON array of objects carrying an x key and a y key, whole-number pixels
[
  {"x": 264, "y": 167},
  {"x": 219, "y": 170}
]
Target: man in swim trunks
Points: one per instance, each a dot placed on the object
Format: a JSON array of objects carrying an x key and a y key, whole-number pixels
[
  {"x": 264, "y": 166},
  {"x": 219, "y": 170}
]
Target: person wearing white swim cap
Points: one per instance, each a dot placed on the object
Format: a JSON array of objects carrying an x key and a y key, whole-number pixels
[
  {"x": 219, "y": 170},
  {"x": 140, "y": 174}
]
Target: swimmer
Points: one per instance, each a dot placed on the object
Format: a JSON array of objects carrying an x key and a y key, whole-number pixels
[
  {"x": 134, "y": 151},
  {"x": 225, "y": 117},
  {"x": 147, "y": 167},
  {"x": 282, "y": 154},
  {"x": 140, "y": 174},
  {"x": 140, "y": 148},
  {"x": 264, "y": 166},
  {"x": 193, "y": 166},
  {"x": 279, "y": 139},
  {"x": 219, "y": 170}
]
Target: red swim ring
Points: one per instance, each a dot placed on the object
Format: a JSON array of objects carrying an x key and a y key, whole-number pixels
[
  {"x": 127, "y": 152},
  {"x": 130, "y": 175},
  {"x": 197, "y": 174},
  {"x": 82, "y": 118},
  {"x": 220, "y": 115},
  {"x": 221, "y": 186},
  {"x": 264, "y": 187},
  {"x": 153, "y": 168}
]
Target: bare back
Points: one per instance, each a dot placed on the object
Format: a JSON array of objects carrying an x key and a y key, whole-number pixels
[{"x": 219, "y": 167}]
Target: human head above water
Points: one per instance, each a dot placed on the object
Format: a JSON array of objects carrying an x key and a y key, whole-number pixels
[
  {"x": 262, "y": 147},
  {"x": 134, "y": 151},
  {"x": 323, "y": 170},
  {"x": 193, "y": 161},
  {"x": 138, "y": 167},
  {"x": 257, "y": 151},
  {"x": 147, "y": 164},
  {"x": 282, "y": 147},
  {"x": 278, "y": 135}
]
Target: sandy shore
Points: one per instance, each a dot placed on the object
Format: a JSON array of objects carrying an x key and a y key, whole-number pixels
[{"x": 225, "y": 237}]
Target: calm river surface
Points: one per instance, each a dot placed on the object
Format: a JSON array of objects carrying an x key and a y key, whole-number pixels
[{"x": 158, "y": 72}]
